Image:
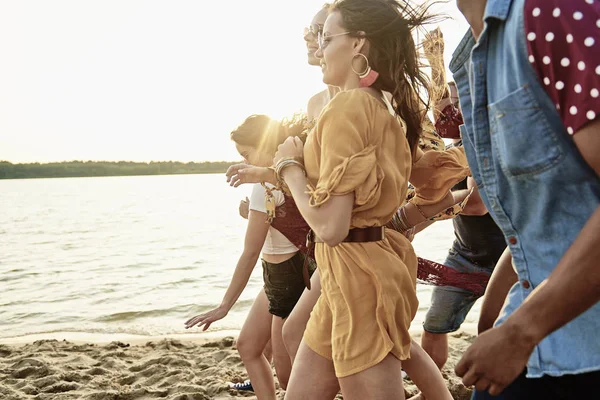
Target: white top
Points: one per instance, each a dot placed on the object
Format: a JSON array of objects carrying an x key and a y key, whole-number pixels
[{"x": 276, "y": 242}]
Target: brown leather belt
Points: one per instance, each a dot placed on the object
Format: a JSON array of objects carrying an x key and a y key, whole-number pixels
[{"x": 355, "y": 235}]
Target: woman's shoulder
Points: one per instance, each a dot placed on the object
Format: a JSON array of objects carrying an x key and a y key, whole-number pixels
[
  {"x": 355, "y": 100},
  {"x": 318, "y": 99}
]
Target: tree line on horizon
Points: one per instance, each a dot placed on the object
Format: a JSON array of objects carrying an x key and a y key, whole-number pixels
[{"x": 71, "y": 169}]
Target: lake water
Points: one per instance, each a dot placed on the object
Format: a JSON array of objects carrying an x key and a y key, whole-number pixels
[{"x": 132, "y": 255}]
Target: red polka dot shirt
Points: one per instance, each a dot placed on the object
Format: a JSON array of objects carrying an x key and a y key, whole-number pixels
[{"x": 563, "y": 40}]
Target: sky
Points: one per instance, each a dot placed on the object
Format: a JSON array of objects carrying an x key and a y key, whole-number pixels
[{"x": 149, "y": 80}]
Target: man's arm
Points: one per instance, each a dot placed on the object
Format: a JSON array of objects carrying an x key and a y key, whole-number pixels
[{"x": 502, "y": 279}]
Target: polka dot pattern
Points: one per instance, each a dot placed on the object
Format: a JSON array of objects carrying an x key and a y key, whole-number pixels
[{"x": 563, "y": 42}]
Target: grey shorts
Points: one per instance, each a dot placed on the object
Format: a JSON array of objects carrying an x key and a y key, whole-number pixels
[{"x": 450, "y": 305}]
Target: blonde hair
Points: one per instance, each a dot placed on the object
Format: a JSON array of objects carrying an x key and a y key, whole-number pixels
[{"x": 265, "y": 134}]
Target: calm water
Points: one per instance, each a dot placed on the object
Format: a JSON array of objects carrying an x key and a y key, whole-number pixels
[{"x": 134, "y": 255}]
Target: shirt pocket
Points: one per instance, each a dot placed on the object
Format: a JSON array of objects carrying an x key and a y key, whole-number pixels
[{"x": 522, "y": 137}]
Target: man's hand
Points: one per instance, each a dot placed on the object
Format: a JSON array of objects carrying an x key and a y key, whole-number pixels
[{"x": 495, "y": 359}]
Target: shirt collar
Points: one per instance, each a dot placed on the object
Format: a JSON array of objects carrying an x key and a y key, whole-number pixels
[
  {"x": 497, "y": 9},
  {"x": 462, "y": 52}
]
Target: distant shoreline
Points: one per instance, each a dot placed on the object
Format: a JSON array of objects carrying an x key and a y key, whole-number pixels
[{"x": 87, "y": 169}]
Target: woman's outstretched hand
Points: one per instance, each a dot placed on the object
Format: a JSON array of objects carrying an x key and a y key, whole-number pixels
[
  {"x": 207, "y": 318},
  {"x": 292, "y": 147},
  {"x": 239, "y": 174}
]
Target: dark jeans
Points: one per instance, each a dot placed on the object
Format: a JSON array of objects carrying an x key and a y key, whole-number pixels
[
  {"x": 581, "y": 386},
  {"x": 284, "y": 283}
]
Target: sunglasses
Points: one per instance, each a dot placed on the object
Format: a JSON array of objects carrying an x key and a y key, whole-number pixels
[
  {"x": 313, "y": 29},
  {"x": 323, "y": 40}
]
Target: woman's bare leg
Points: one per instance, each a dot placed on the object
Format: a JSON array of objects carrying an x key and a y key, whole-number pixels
[
  {"x": 313, "y": 377},
  {"x": 253, "y": 338},
  {"x": 281, "y": 359},
  {"x": 295, "y": 324},
  {"x": 425, "y": 374},
  {"x": 268, "y": 352},
  {"x": 380, "y": 382}
]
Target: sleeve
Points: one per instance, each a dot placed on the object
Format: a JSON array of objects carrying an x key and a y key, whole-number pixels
[
  {"x": 563, "y": 39},
  {"x": 430, "y": 140},
  {"x": 436, "y": 172},
  {"x": 257, "y": 199},
  {"x": 348, "y": 162}
]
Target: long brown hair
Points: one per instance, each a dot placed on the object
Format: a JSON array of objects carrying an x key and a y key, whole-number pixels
[
  {"x": 388, "y": 25},
  {"x": 265, "y": 134}
]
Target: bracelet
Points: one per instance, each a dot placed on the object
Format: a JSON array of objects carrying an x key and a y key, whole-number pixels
[
  {"x": 398, "y": 222},
  {"x": 284, "y": 163},
  {"x": 403, "y": 220}
]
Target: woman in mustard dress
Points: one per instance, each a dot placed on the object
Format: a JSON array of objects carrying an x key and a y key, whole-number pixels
[{"x": 356, "y": 163}]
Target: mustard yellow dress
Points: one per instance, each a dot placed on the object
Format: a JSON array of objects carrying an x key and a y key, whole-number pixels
[
  {"x": 369, "y": 289},
  {"x": 436, "y": 169}
]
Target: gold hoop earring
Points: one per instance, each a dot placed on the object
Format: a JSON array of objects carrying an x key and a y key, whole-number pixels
[{"x": 367, "y": 70}]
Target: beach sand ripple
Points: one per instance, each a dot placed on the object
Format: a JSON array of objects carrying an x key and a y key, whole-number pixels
[{"x": 167, "y": 369}]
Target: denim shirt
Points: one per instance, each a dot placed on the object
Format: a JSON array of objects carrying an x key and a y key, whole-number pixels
[{"x": 532, "y": 178}]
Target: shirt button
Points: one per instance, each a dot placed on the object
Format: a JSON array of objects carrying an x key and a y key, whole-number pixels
[
  {"x": 512, "y": 240},
  {"x": 526, "y": 284}
]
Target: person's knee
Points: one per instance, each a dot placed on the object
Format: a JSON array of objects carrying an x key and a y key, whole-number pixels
[
  {"x": 290, "y": 336},
  {"x": 248, "y": 348},
  {"x": 436, "y": 345}
]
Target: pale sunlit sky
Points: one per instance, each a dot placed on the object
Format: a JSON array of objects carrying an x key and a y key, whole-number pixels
[{"x": 146, "y": 80}]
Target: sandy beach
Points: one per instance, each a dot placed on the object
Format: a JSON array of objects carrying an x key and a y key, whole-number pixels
[{"x": 177, "y": 368}]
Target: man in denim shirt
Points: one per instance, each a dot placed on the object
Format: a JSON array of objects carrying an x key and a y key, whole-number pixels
[{"x": 528, "y": 75}]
